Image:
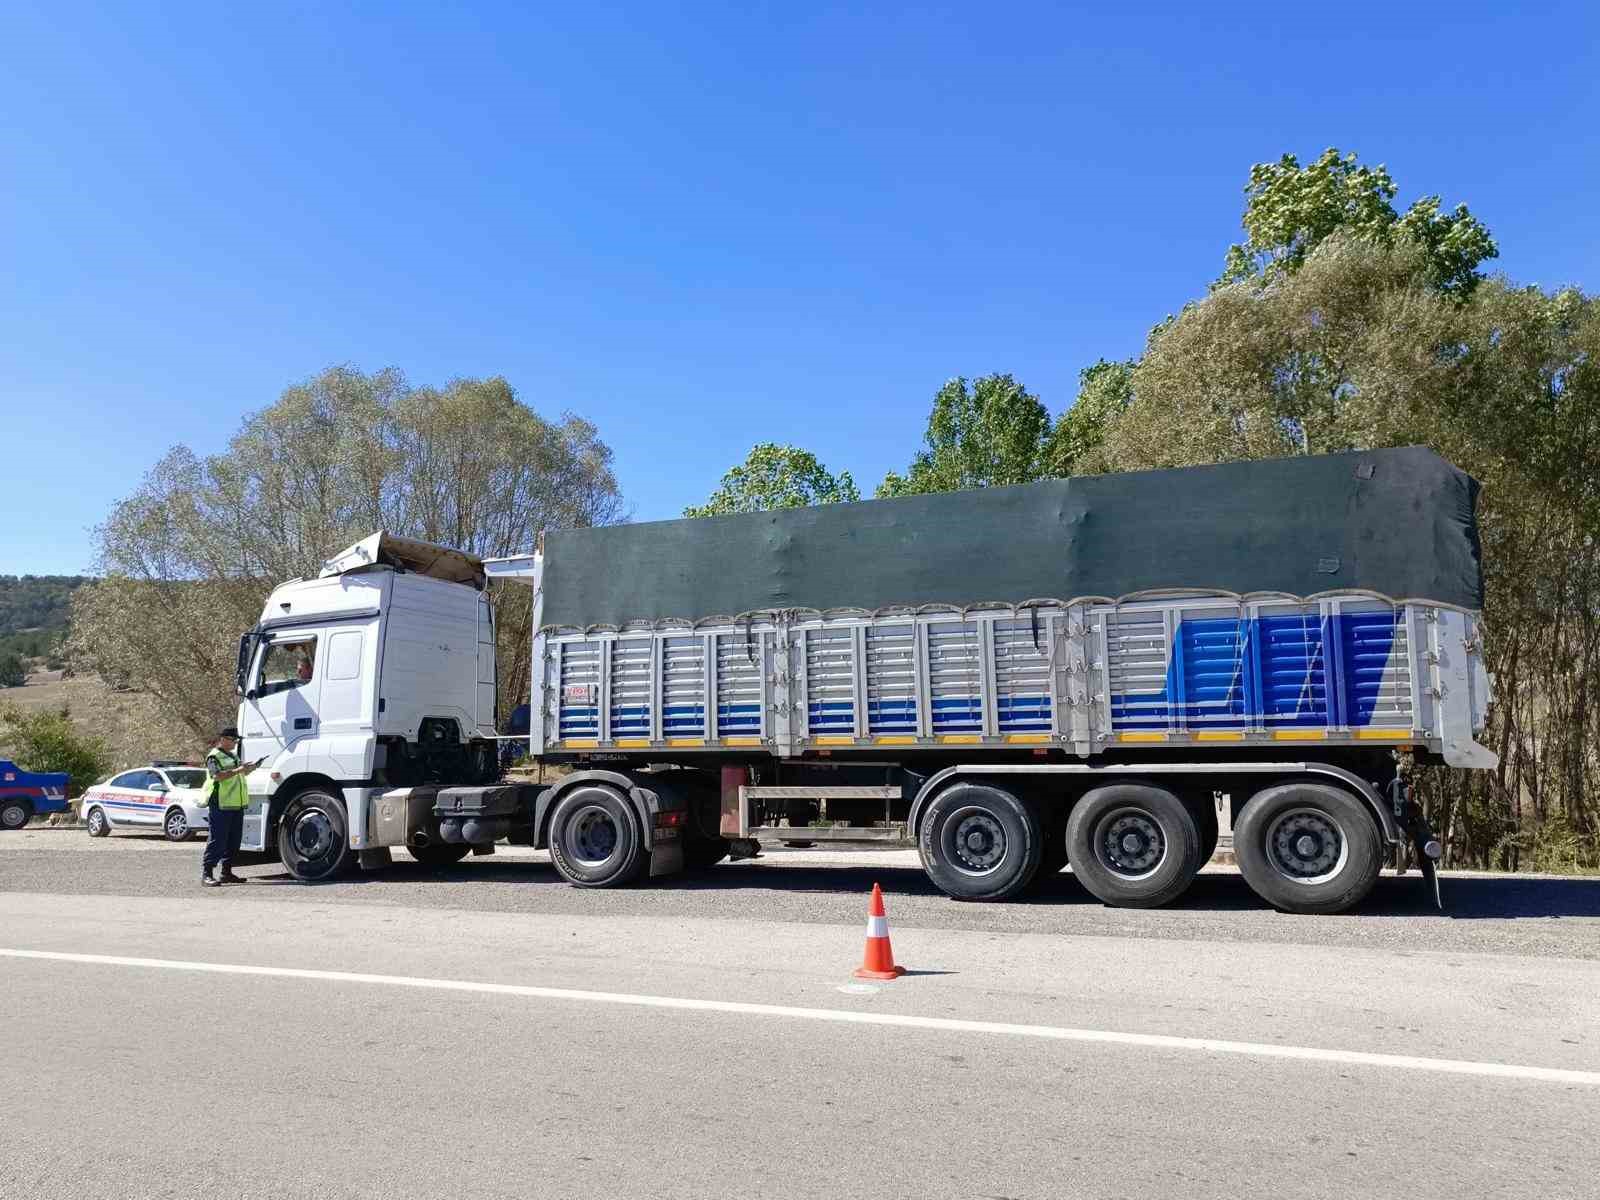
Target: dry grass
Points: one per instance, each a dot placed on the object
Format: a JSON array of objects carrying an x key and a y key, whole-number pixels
[{"x": 130, "y": 723}]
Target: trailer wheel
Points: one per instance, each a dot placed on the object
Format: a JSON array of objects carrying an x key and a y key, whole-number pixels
[
  {"x": 14, "y": 814},
  {"x": 1132, "y": 845},
  {"x": 439, "y": 854},
  {"x": 1308, "y": 848},
  {"x": 97, "y": 823},
  {"x": 595, "y": 839},
  {"x": 312, "y": 837},
  {"x": 980, "y": 843}
]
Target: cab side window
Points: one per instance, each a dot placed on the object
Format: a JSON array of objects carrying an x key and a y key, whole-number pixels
[{"x": 288, "y": 664}]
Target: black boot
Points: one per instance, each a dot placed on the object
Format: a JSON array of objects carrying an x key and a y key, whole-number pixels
[
  {"x": 206, "y": 880},
  {"x": 229, "y": 877}
]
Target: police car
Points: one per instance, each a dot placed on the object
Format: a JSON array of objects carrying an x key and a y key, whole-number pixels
[{"x": 167, "y": 796}]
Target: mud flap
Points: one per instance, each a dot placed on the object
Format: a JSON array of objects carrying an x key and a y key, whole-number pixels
[
  {"x": 1426, "y": 844},
  {"x": 666, "y": 857}
]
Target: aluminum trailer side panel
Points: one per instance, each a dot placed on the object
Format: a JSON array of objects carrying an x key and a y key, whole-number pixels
[{"x": 1207, "y": 673}]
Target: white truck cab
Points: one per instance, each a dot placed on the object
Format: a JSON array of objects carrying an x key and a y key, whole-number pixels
[{"x": 379, "y": 673}]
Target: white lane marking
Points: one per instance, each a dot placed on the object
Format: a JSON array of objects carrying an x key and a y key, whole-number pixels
[{"x": 1153, "y": 1041}]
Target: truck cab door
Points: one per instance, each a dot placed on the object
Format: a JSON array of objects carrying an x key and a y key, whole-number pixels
[{"x": 281, "y": 700}]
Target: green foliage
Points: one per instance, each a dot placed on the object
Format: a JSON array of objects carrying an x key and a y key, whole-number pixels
[
  {"x": 190, "y": 557},
  {"x": 46, "y": 742},
  {"x": 33, "y": 612},
  {"x": 774, "y": 476},
  {"x": 12, "y": 672},
  {"x": 1074, "y": 445},
  {"x": 989, "y": 434},
  {"x": 1291, "y": 209}
]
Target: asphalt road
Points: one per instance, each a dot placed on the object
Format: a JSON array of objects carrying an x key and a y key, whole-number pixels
[{"x": 487, "y": 1031}]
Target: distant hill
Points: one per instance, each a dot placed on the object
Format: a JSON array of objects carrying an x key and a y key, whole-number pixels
[{"x": 34, "y": 611}]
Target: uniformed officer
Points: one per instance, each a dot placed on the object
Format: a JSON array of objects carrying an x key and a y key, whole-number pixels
[{"x": 226, "y": 799}]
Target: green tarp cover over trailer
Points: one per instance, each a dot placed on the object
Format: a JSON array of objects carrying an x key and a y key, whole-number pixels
[{"x": 1399, "y": 522}]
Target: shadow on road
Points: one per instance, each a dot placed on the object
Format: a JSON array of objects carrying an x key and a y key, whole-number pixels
[{"x": 1476, "y": 898}]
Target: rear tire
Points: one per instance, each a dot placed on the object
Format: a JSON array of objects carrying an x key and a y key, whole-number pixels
[
  {"x": 14, "y": 814},
  {"x": 1132, "y": 845},
  {"x": 176, "y": 825},
  {"x": 97, "y": 823},
  {"x": 980, "y": 843},
  {"x": 595, "y": 838},
  {"x": 1308, "y": 848},
  {"x": 312, "y": 837}
]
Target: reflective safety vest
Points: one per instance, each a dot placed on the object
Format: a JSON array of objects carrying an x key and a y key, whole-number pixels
[{"x": 226, "y": 793}]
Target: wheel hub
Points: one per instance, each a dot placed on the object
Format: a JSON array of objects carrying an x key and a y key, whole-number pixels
[
  {"x": 594, "y": 835},
  {"x": 313, "y": 835},
  {"x": 1305, "y": 845},
  {"x": 979, "y": 841},
  {"x": 1130, "y": 843}
]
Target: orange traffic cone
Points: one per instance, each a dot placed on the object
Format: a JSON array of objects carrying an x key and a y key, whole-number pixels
[{"x": 878, "y": 962}]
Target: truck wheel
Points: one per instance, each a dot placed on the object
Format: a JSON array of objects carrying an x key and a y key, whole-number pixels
[
  {"x": 312, "y": 837},
  {"x": 1133, "y": 846},
  {"x": 98, "y": 825},
  {"x": 1308, "y": 848},
  {"x": 595, "y": 839},
  {"x": 980, "y": 843},
  {"x": 176, "y": 826},
  {"x": 14, "y": 814},
  {"x": 439, "y": 854}
]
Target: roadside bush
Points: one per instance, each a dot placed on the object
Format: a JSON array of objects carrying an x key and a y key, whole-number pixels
[
  {"x": 46, "y": 742},
  {"x": 12, "y": 671}
]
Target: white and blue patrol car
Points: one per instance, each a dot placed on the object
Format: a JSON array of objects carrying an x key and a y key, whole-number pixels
[{"x": 165, "y": 796}]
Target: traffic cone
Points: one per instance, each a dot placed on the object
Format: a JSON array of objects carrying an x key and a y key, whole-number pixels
[{"x": 878, "y": 962}]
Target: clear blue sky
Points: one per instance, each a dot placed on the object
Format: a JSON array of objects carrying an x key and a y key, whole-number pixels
[{"x": 698, "y": 226}]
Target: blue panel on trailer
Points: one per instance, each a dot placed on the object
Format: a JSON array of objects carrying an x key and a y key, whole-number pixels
[
  {"x": 1227, "y": 673},
  {"x": 958, "y": 714},
  {"x": 630, "y": 720},
  {"x": 580, "y": 721},
  {"x": 892, "y": 716},
  {"x": 1023, "y": 714},
  {"x": 832, "y": 716},
  {"x": 681, "y": 719},
  {"x": 739, "y": 718},
  {"x": 1366, "y": 642}
]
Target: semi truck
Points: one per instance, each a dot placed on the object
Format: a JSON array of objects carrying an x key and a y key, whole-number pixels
[{"x": 1013, "y": 679}]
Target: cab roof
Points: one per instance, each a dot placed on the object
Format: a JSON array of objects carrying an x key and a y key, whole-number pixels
[{"x": 407, "y": 554}]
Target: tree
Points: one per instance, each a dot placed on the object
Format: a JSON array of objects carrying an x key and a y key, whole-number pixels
[
  {"x": 1104, "y": 391},
  {"x": 46, "y": 742},
  {"x": 12, "y": 671},
  {"x": 1291, "y": 209},
  {"x": 189, "y": 558},
  {"x": 774, "y": 476},
  {"x": 1358, "y": 348},
  {"x": 987, "y": 435}
]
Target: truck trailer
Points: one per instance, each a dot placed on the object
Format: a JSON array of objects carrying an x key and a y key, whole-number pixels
[{"x": 1079, "y": 671}]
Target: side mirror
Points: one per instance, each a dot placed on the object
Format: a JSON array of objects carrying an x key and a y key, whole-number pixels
[{"x": 159, "y": 789}]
